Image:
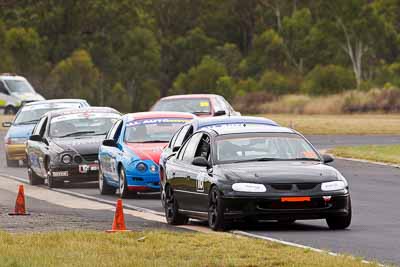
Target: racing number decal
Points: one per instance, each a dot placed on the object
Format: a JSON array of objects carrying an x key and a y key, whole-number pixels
[{"x": 201, "y": 177}]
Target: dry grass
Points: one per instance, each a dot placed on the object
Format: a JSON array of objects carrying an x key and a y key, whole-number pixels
[
  {"x": 155, "y": 249},
  {"x": 379, "y": 153},
  {"x": 360, "y": 124}
]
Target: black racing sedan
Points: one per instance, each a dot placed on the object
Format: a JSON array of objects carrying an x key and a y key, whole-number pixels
[
  {"x": 64, "y": 145},
  {"x": 253, "y": 173}
]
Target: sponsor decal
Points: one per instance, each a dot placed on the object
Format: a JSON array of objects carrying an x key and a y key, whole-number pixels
[
  {"x": 70, "y": 116},
  {"x": 201, "y": 177},
  {"x": 157, "y": 121},
  {"x": 85, "y": 168},
  {"x": 204, "y": 104}
]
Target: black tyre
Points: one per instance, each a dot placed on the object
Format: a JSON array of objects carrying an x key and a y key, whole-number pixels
[
  {"x": 216, "y": 219},
  {"x": 12, "y": 163},
  {"x": 123, "y": 185},
  {"x": 171, "y": 209},
  {"x": 34, "y": 179},
  {"x": 10, "y": 110},
  {"x": 104, "y": 188},
  {"x": 340, "y": 222}
]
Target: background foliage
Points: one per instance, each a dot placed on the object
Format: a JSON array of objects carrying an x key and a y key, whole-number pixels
[{"x": 127, "y": 53}]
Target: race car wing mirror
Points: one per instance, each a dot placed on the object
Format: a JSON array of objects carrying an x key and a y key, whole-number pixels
[
  {"x": 6, "y": 124},
  {"x": 175, "y": 148},
  {"x": 109, "y": 142},
  {"x": 327, "y": 158},
  {"x": 36, "y": 138},
  {"x": 220, "y": 113},
  {"x": 202, "y": 162}
]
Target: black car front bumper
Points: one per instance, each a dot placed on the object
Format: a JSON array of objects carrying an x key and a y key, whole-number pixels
[
  {"x": 73, "y": 173},
  {"x": 273, "y": 208}
]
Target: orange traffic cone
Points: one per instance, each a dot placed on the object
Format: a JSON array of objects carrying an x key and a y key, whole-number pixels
[
  {"x": 20, "y": 203},
  {"x": 119, "y": 220}
]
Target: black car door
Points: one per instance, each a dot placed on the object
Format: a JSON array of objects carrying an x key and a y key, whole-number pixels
[
  {"x": 180, "y": 171},
  {"x": 33, "y": 149},
  {"x": 200, "y": 175}
]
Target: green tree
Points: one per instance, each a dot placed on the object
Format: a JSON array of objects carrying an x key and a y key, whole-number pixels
[
  {"x": 24, "y": 46},
  {"x": 202, "y": 78},
  {"x": 328, "y": 79},
  {"x": 75, "y": 77}
]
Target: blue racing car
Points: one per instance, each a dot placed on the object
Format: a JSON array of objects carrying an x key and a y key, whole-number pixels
[{"x": 129, "y": 155}]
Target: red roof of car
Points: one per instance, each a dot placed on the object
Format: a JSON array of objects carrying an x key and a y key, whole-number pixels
[{"x": 159, "y": 114}]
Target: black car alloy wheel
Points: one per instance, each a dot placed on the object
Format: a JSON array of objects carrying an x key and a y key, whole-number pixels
[
  {"x": 340, "y": 222},
  {"x": 171, "y": 208},
  {"x": 123, "y": 185},
  {"x": 216, "y": 211}
]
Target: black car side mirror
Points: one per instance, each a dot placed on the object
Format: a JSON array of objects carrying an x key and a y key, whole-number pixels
[
  {"x": 6, "y": 124},
  {"x": 220, "y": 113},
  {"x": 109, "y": 142},
  {"x": 327, "y": 158},
  {"x": 36, "y": 138},
  {"x": 201, "y": 161},
  {"x": 176, "y": 148}
]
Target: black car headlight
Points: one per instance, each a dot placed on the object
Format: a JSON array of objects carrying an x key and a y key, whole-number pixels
[
  {"x": 249, "y": 187},
  {"x": 66, "y": 159},
  {"x": 141, "y": 167},
  {"x": 333, "y": 186}
]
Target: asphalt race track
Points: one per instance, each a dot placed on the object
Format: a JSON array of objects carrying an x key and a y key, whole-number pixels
[{"x": 375, "y": 230}]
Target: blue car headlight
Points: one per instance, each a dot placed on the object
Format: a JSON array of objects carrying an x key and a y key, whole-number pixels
[
  {"x": 141, "y": 167},
  {"x": 153, "y": 168}
]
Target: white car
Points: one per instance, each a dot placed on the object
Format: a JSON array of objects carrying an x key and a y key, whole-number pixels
[{"x": 14, "y": 91}]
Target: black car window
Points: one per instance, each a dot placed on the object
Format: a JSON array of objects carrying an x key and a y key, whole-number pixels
[
  {"x": 38, "y": 126},
  {"x": 114, "y": 128},
  {"x": 173, "y": 139},
  {"x": 183, "y": 135},
  {"x": 188, "y": 154},
  {"x": 43, "y": 128},
  {"x": 117, "y": 131},
  {"x": 203, "y": 148},
  {"x": 3, "y": 88}
]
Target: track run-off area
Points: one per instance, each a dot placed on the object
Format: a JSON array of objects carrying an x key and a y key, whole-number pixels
[{"x": 374, "y": 233}]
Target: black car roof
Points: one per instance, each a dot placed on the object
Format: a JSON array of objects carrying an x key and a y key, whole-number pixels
[{"x": 60, "y": 112}]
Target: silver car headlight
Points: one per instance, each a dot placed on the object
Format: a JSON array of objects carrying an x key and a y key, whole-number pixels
[
  {"x": 66, "y": 159},
  {"x": 333, "y": 186},
  {"x": 249, "y": 187}
]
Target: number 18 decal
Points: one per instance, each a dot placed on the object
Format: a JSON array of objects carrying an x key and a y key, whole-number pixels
[{"x": 200, "y": 182}]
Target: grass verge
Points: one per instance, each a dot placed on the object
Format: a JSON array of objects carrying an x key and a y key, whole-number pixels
[
  {"x": 358, "y": 124},
  {"x": 380, "y": 153},
  {"x": 154, "y": 248}
]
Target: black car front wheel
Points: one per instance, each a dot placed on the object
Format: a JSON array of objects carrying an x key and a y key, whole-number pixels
[
  {"x": 171, "y": 208},
  {"x": 53, "y": 183},
  {"x": 123, "y": 185},
  {"x": 216, "y": 219},
  {"x": 104, "y": 188},
  {"x": 34, "y": 179},
  {"x": 340, "y": 222}
]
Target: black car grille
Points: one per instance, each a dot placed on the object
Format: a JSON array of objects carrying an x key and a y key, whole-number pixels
[
  {"x": 293, "y": 187},
  {"x": 90, "y": 157}
]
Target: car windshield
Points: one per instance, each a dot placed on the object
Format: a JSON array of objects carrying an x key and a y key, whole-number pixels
[
  {"x": 19, "y": 86},
  {"x": 191, "y": 105},
  {"x": 152, "y": 130},
  {"x": 248, "y": 147},
  {"x": 82, "y": 124},
  {"x": 32, "y": 114}
]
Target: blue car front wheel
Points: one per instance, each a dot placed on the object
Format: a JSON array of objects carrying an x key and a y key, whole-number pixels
[{"x": 123, "y": 184}]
